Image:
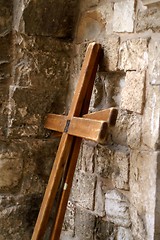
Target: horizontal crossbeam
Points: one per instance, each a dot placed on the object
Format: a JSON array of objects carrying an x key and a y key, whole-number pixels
[
  {"x": 90, "y": 129},
  {"x": 93, "y": 126}
]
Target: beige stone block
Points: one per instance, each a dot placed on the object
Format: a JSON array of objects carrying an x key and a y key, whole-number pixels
[
  {"x": 83, "y": 189},
  {"x": 85, "y": 223},
  {"x": 11, "y": 165},
  {"x": 69, "y": 221},
  {"x": 111, "y": 52},
  {"x": 138, "y": 227},
  {"x": 133, "y": 92},
  {"x": 103, "y": 161},
  {"x": 151, "y": 119},
  {"x": 154, "y": 62},
  {"x": 99, "y": 200},
  {"x": 148, "y": 18},
  {"x": 120, "y": 175},
  {"x": 87, "y": 161},
  {"x": 119, "y": 132},
  {"x": 123, "y": 20},
  {"x": 124, "y": 234},
  {"x": 93, "y": 24},
  {"x": 117, "y": 208},
  {"x": 134, "y": 131},
  {"x": 133, "y": 54},
  {"x": 143, "y": 177}
]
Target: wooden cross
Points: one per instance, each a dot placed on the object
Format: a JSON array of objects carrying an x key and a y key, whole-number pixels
[{"x": 77, "y": 125}]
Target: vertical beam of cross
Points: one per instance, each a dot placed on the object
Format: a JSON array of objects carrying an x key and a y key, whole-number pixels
[{"x": 79, "y": 106}]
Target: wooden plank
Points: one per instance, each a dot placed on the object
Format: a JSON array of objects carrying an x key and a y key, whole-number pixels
[
  {"x": 148, "y": 2},
  {"x": 55, "y": 235},
  {"x": 55, "y": 122},
  {"x": 89, "y": 129},
  {"x": 86, "y": 81},
  {"x": 109, "y": 115}
]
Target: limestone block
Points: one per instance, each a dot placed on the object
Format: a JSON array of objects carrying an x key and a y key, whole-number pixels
[
  {"x": 114, "y": 82},
  {"x": 123, "y": 20},
  {"x": 111, "y": 50},
  {"x": 99, "y": 200},
  {"x": 38, "y": 156},
  {"x": 103, "y": 161},
  {"x": 133, "y": 54},
  {"x": 28, "y": 107},
  {"x": 5, "y": 52},
  {"x": 154, "y": 62},
  {"x": 119, "y": 132},
  {"x": 151, "y": 119},
  {"x": 134, "y": 131},
  {"x": 133, "y": 92},
  {"x": 86, "y": 4},
  {"x": 104, "y": 230},
  {"x": 137, "y": 228},
  {"x": 93, "y": 23},
  {"x": 148, "y": 18},
  {"x": 69, "y": 221},
  {"x": 157, "y": 212},
  {"x": 87, "y": 157},
  {"x": 6, "y": 16},
  {"x": 50, "y": 18},
  {"x": 84, "y": 223},
  {"x": 117, "y": 208},
  {"x": 38, "y": 64},
  {"x": 83, "y": 189},
  {"x": 143, "y": 175},
  {"x": 124, "y": 234},
  {"x": 98, "y": 94},
  {"x": 121, "y": 168},
  {"x": 16, "y": 220},
  {"x": 3, "y": 109},
  {"x": 11, "y": 166}
]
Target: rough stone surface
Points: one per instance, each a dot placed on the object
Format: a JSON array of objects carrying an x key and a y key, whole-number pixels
[
  {"x": 120, "y": 175},
  {"x": 143, "y": 167},
  {"x": 115, "y": 192},
  {"x": 104, "y": 230},
  {"x": 103, "y": 161},
  {"x": 151, "y": 119},
  {"x": 99, "y": 207},
  {"x": 134, "y": 131},
  {"x": 133, "y": 54},
  {"x": 123, "y": 22},
  {"x": 85, "y": 223},
  {"x": 94, "y": 23},
  {"x": 124, "y": 234},
  {"x": 148, "y": 18},
  {"x": 154, "y": 62},
  {"x": 11, "y": 166},
  {"x": 84, "y": 185},
  {"x": 157, "y": 213},
  {"x": 117, "y": 208},
  {"x": 87, "y": 157},
  {"x": 111, "y": 49},
  {"x": 49, "y": 18},
  {"x": 133, "y": 92}
]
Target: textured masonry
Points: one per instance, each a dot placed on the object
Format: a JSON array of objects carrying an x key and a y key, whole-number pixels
[{"x": 115, "y": 192}]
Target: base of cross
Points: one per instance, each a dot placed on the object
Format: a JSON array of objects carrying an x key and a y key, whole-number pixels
[{"x": 77, "y": 125}]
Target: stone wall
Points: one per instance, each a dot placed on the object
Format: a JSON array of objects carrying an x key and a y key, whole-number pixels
[
  {"x": 116, "y": 192},
  {"x": 35, "y": 52}
]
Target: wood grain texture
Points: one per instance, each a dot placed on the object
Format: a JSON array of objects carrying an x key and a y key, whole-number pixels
[{"x": 85, "y": 84}]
